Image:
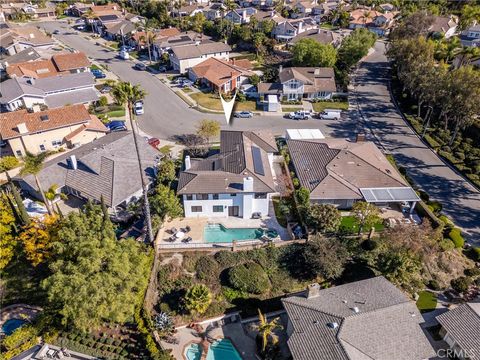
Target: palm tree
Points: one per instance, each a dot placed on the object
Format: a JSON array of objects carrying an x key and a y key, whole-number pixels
[
  {"x": 198, "y": 299},
  {"x": 149, "y": 38},
  {"x": 33, "y": 164},
  {"x": 126, "y": 93},
  {"x": 265, "y": 328},
  {"x": 51, "y": 194}
]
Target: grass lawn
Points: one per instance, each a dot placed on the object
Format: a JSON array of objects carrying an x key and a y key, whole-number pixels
[
  {"x": 350, "y": 224},
  {"x": 94, "y": 67},
  {"x": 427, "y": 301},
  {"x": 322, "y": 105},
  {"x": 117, "y": 113},
  {"x": 187, "y": 90},
  {"x": 165, "y": 150},
  {"x": 282, "y": 220},
  {"x": 210, "y": 101}
]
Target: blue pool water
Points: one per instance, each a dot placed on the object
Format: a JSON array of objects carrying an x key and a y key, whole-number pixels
[
  {"x": 223, "y": 350},
  {"x": 193, "y": 352},
  {"x": 11, "y": 325},
  {"x": 217, "y": 233}
]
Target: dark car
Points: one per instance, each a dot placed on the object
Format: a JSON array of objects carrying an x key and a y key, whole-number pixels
[
  {"x": 140, "y": 66},
  {"x": 98, "y": 74},
  {"x": 55, "y": 32},
  {"x": 116, "y": 125},
  {"x": 243, "y": 114}
]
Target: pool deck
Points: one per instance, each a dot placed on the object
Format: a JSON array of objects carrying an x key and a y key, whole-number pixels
[
  {"x": 198, "y": 224},
  {"x": 19, "y": 311}
]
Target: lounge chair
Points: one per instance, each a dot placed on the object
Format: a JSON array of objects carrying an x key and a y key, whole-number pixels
[
  {"x": 187, "y": 229},
  {"x": 172, "y": 238},
  {"x": 173, "y": 230},
  {"x": 188, "y": 239}
]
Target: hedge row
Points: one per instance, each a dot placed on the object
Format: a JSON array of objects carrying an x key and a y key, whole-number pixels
[{"x": 456, "y": 236}]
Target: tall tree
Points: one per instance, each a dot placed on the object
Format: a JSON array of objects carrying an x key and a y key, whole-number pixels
[
  {"x": 366, "y": 215},
  {"x": 414, "y": 25},
  {"x": 32, "y": 165},
  {"x": 95, "y": 277},
  {"x": 309, "y": 52},
  {"x": 126, "y": 93},
  {"x": 208, "y": 129},
  {"x": 38, "y": 238},
  {"x": 266, "y": 328},
  {"x": 324, "y": 257},
  {"x": 165, "y": 203},
  {"x": 7, "y": 231},
  {"x": 19, "y": 207},
  {"x": 324, "y": 218}
]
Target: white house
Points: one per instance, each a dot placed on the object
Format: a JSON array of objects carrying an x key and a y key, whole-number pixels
[
  {"x": 471, "y": 36},
  {"x": 286, "y": 30},
  {"x": 444, "y": 25},
  {"x": 235, "y": 182},
  {"x": 240, "y": 16},
  {"x": 186, "y": 57}
]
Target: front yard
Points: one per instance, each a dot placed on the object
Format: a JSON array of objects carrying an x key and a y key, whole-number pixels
[
  {"x": 212, "y": 102},
  {"x": 322, "y": 105},
  {"x": 350, "y": 225}
]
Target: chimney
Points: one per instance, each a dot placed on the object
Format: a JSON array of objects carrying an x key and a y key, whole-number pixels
[
  {"x": 73, "y": 162},
  {"x": 300, "y": 27},
  {"x": 36, "y": 108},
  {"x": 360, "y": 138},
  {"x": 313, "y": 290},
  {"x": 22, "y": 128},
  {"x": 316, "y": 72},
  {"x": 356, "y": 310},
  {"x": 188, "y": 164},
  {"x": 248, "y": 184},
  {"x": 244, "y": 15},
  {"x": 280, "y": 69}
]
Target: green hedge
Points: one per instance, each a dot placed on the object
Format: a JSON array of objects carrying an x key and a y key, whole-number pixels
[
  {"x": 456, "y": 236},
  {"x": 249, "y": 277},
  {"x": 432, "y": 142},
  {"x": 8, "y": 163}
]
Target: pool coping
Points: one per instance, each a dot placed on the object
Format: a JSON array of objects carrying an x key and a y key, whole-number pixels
[{"x": 210, "y": 343}]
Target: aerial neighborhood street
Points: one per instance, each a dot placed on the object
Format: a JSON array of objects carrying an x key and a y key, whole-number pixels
[{"x": 333, "y": 215}]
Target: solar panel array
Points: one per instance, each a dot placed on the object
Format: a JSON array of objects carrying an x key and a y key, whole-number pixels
[
  {"x": 389, "y": 194},
  {"x": 257, "y": 161}
]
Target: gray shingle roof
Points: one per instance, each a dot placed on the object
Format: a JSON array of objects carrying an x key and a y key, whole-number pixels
[
  {"x": 106, "y": 167},
  {"x": 386, "y": 326},
  {"x": 195, "y": 51},
  {"x": 224, "y": 172},
  {"x": 28, "y": 54},
  {"x": 463, "y": 325}
]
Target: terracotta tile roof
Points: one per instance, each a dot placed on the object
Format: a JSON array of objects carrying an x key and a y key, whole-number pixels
[
  {"x": 363, "y": 16},
  {"x": 34, "y": 69},
  {"x": 242, "y": 63},
  {"x": 93, "y": 125},
  {"x": 169, "y": 32},
  {"x": 42, "y": 120},
  {"x": 218, "y": 71},
  {"x": 70, "y": 61}
]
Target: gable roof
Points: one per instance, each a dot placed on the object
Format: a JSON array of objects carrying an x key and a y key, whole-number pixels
[
  {"x": 319, "y": 79},
  {"x": 42, "y": 121},
  {"x": 30, "y": 35},
  {"x": 107, "y": 167},
  {"x": 321, "y": 35},
  {"x": 197, "y": 50},
  {"x": 29, "y": 54},
  {"x": 70, "y": 61},
  {"x": 368, "y": 334},
  {"x": 463, "y": 325},
  {"x": 219, "y": 71},
  {"x": 33, "y": 69},
  {"x": 124, "y": 26},
  {"x": 224, "y": 172},
  {"x": 442, "y": 24},
  {"x": 338, "y": 169}
]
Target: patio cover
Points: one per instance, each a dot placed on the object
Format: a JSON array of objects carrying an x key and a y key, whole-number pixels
[{"x": 392, "y": 194}]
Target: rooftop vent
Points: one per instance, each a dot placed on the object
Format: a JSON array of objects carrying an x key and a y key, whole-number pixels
[
  {"x": 44, "y": 117},
  {"x": 356, "y": 310},
  {"x": 332, "y": 325}
]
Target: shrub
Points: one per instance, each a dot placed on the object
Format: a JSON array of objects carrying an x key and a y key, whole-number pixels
[
  {"x": 102, "y": 101},
  {"x": 473, "y": 272},
  {"x": 456, "y": 235},
  {"x": 109, "y": 341},
  {"x": 435, "y": 207},
  {"x": 198, "y": 298},
  {"x": 249, "y": 277},
  {"x": 461, "y": 284},
  {"x": 117, "y": 342},
  {"x": 369, "y": 245},
  {"x": 476, "y": 253},
  {"x": 296, "y": 182},
  {"x": 227, "y": 258},
  {"x": 446, "y": 245},
  {"x": 434, "y": 285},
  {"x": 207, "y": 269},
  {"x": 232, "y": 294},
  {"x": 8, "y": 163}
]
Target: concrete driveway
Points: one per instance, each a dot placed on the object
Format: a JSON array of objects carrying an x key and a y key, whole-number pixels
[
  {"x": 461, "y": 201},
  {"x": 166, "y": 115}
]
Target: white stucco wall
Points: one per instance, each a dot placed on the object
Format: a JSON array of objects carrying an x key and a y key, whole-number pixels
[{"x": 185, "y": 64}]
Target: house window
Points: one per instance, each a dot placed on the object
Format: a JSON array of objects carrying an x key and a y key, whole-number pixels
[
  {"x": 19, "y": 153},
  {"x": 56, "y": 142},
  {"x": 196, "y": 209},
  {"x": 233, "y": 194},
  {"x": 261, "y": 196},
  {"x": 42, "y": 147},
  {"x": 294, "y": 85},
  {"x": 189, "y": 197},
  {"x": 202, "y": 196},
  {"x": 217, "y": 208},
  {"x": 238, "y": 79},
  {"x": 215, "y": 196}
]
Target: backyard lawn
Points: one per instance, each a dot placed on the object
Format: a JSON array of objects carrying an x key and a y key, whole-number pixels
[
  {"x": 322, "y": 105},
  {"x": 351, "y": 225},
  {"x": 427, "y": 301},
  {"x": 212, "y": 102}
]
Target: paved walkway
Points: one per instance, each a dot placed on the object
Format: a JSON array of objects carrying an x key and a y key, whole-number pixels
[{"x": 461, "y": 201}]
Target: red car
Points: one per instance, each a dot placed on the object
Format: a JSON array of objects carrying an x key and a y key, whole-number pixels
[{"x": 154, "y": 142}]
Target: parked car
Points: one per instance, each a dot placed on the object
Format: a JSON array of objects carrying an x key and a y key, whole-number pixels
[
  {"x": 116, "y": 125},
  {"x": 106, "y": 89},
  {"x": 330, "y": 114},
  {"x": 98, "y": 74},
  {"x": 154, "y": 142},
  {"x": 140, "y": 66},
  {"x": 299, "y": 115},
  {"x": 124, "y": 55},
  {"x": 162, "y": 68},
  {"x": 138, "y": 108},
  {"x": 56, "y": 32},
  {"x": 243, "y": 114},
  {"x": 80, "y": 27}
]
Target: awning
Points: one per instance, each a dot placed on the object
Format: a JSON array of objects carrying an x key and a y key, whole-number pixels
[{"x": 393, "y": 194}]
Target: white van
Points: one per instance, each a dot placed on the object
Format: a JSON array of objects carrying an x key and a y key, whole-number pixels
[{"x": 330, "y": 114}]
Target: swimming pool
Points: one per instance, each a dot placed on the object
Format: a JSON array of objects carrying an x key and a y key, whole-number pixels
[
  {"x": 11, "y": 325},
  {"x": 193, "y": 352},
  {"x": 219, "y": 350},
  {"x": 217, "y": 233}
]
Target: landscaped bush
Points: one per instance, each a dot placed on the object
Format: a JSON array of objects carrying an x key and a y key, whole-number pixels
[
  {"x": 227, "y": 258},
  {"x": 434, "y": 285},
  {"x": 233, "y": 294},
  {"x": 207, "y": 269},
  {"x": 473, "y": 272},
  {"x": 296, "y": 182},
  {"x": 476, "y": 253},
  {"x": 249, "y": 277},
  {"x": 461, "y": 284},
  {"x": 8, "y": 163},
  {"x": 435, "y": 207},
  {"x": 446, "y": 245},
  {"x": 456, "y": 235}
]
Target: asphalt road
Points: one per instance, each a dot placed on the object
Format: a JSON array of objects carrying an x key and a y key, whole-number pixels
[
  {"x": 461, "y": 201},
  {"x": 166, "y": 115}
]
